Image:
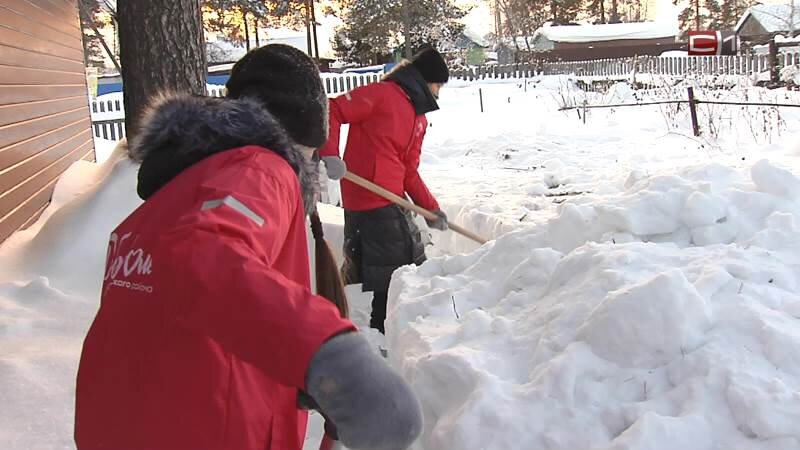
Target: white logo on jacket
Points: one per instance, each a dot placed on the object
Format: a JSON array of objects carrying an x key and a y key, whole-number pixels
[{"x": 122, "y": 265}]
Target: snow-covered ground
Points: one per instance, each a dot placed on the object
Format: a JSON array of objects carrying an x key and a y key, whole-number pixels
[{"x": 640, "y": 291}]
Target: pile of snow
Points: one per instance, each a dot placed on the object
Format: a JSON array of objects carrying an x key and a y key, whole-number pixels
[
  {"x": 676, "y": 326},
  {"x": 619, "y": 93},
  {"x": 49, "y": 291},
  {"x": 790, "y": 74},
  {"x": 643, "y": 287}
]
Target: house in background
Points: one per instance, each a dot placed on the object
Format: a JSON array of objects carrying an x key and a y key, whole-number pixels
[
  {"x": 468, "y": 48},
  {"x": 761, "y": 23},
  {"x": 44, "y": 106},
  {"x": 618, "y": 40}
]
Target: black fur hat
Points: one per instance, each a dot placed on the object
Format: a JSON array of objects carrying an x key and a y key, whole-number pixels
[
  {"x": 431, "y": 65},
  {"x": 287, "y": 82}
]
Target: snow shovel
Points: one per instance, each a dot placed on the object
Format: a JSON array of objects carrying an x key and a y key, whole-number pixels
[{"x": 396, "y": 199}]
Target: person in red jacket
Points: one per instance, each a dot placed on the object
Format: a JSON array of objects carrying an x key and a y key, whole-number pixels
[
  {"x": 207, "y": 332},
  {"x": 387, "y": 127}
]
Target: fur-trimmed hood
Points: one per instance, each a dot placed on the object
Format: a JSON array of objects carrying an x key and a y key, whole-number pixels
[{"x": 179, "y": 131}]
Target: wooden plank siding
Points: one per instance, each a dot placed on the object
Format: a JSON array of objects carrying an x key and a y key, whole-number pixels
[{"x": 45, "y": 124}]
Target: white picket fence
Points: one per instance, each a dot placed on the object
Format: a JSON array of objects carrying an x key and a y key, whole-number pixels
[
  {"x": 108, "y": 115},
  {"x": 745, "y": 65},
  {"x": 108, "y": 112},
  {"x": 671, "y": 66}
]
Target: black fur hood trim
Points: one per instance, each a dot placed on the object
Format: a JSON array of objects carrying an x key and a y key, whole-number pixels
[
  {"x": 181, "y": 130},
  {"x": 415, "y": 87}
]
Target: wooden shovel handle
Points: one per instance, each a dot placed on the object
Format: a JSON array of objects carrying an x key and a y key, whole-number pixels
[{"x": 396, "y": 199}]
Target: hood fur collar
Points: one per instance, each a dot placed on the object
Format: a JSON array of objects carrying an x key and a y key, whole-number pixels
[{"x": 179, "y": 131}]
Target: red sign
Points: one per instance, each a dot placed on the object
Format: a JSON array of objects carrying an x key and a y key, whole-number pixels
[{"x": 710, "y": 43}]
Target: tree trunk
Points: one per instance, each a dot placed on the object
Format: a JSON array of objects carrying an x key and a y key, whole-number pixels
[
  {"x": 602, "y": 11},
  {"x": 255, "y": 29},
  {"x": 513, "y": 29},
  {"x": 314, "y": 29},
  {"x": 161, "y": 49},
  {"x": 246, "y": 32},
  {"x": 554, "y": 11},
  {"x": 614, "y": 16},
  {"x": 407, "y": 27},
  {"x": 308, "y": 30},
  {"x": 498, "y": 23},
  {"x": 697, "y": 15}
]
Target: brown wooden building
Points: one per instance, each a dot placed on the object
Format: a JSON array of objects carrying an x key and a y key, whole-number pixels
[
  {"x": 44, "y": 114},
  {"x": 604, "y": 41},
  {"x": 761, "y": 23}
]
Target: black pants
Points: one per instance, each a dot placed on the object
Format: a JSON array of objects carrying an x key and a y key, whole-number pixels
[{"x": 376, "y": 243}]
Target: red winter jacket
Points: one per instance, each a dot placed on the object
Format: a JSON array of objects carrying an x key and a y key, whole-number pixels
[
  {"x": 206, "y": 325},
  {"x": 383, "y": 144}
]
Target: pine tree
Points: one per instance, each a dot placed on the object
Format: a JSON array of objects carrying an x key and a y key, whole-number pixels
[
  {"x": 521, "y": 18},
  {"x": 691, "y": 17},
  {"x": 239, "y": 20},
  {"x": 563, "y": 12},
  {"x": 162, "y": 49},
  {"x": 96, "y": 15},
  {"x": 712, "y": 14},
  {"x": 373, "y": 29},
  {"x": 732, "y": 11},
  {"x": 597, "y": 11}
]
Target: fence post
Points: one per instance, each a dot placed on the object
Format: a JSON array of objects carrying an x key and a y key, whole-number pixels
[
  {"x": 693, "y": 112},
  {"x": 773, "y": 61},
  {"x": 584, "y": 112}
]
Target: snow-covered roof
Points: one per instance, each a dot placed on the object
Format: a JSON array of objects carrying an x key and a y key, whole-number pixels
[
  {"x": 475, "y": 37},
  {"x": 774, "y": 18},
  {"x": 214, "y": 68},
  {"x": 478, "y": 23},
  {"x": 608, "y": 32}
]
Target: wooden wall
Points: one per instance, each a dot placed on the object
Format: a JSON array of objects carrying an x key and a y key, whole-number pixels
[{"x": 44, "y": 114}]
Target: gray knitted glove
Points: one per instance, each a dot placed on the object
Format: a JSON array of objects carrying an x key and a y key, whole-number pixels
[
  {"x": 335, "y": 167},
  {"x": 369, "y": 404},
  {"x": 440, "y": 223}
]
